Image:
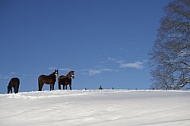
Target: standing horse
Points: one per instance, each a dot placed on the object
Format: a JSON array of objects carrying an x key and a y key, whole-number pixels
[
  {"x": 47, "y": 79},
  {"x": 14, "y": 83},
  {"x": 66, "y": 80}
]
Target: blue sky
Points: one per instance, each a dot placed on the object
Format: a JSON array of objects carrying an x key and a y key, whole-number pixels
[{"x": 105, "y": 41}]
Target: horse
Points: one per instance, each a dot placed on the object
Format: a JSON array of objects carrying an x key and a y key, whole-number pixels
[
  {"x": 66, "y": 80},
  {"x": 14, "y": 83},
  {"x": 47, "y": 79}
]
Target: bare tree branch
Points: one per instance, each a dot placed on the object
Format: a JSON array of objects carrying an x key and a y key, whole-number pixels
[{"x": 170, "y": 56}]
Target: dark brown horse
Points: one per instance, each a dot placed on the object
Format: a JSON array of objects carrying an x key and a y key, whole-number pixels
[
  {"x": 14, "y": 83},
  {"x": 66, "y": 80},
  {"x": 47, "y": 79}
]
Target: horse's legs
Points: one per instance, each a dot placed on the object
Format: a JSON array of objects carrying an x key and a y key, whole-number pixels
[
  {"x": 8, "y": 89},
  {"x": 40, "y": 85},
  {"x": 64, "y": 87},
  {"x": 51, "y": 87},
  {"x": 70, "y": 86},
  {"x": 59, "y": 86},
  {"x": 16, "y": 87}
]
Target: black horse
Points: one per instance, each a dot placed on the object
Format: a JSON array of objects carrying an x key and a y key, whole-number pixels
[
  {"x": 66, "y": 80},
  {"x": 47, "y": 79},
  {"x": 14, "y": 83}
]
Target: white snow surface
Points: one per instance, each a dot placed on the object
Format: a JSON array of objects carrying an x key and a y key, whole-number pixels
[{"x": 96, "y": 108}]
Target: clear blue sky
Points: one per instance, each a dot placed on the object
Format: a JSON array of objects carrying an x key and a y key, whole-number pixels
[{"x": 105, "y": 41}]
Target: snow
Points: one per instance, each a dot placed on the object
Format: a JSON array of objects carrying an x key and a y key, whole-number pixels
[{"x": 96, "y": 108}]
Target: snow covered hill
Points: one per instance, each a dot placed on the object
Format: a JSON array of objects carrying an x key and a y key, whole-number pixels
[{"x": 96, "y": 108}]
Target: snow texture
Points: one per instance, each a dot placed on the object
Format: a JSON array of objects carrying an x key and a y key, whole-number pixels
[{"x": 96, "y": 108}]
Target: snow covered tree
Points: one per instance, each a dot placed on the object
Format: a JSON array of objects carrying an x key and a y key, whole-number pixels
[{"x": 170, "y": 55}]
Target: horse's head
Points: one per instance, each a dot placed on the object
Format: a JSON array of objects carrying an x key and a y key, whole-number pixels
[
  {"x": 9, "y": 89},
  {"x": 71, "y": 74},
  {"x": 56, "y": 73}
]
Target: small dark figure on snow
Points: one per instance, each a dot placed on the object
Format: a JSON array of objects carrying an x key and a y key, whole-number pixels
[{"x": 100, "y": 88}]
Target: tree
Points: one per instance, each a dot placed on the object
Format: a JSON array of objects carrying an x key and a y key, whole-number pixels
[{"x": 170, "y": 55}]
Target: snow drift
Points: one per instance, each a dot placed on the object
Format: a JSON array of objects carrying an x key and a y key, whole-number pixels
[{"x": 96, "y": 108}]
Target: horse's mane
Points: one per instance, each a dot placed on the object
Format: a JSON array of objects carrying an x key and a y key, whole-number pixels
[
  {"x": 69, "y": 73},
  {"x": 52, "y": 74}
]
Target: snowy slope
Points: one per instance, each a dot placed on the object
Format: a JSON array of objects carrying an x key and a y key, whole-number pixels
[{"x": 96, "y": 108}]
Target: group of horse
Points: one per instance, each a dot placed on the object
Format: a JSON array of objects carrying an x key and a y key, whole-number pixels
[{"x": 45, "y": 79}]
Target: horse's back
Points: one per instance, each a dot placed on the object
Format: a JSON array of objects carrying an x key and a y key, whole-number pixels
[
  {"x": 15, "y": 81},
  {"x": 46, "y": 79},
  {"x": 42, "y": 77},
  {"x": 61, "y": 77}
]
